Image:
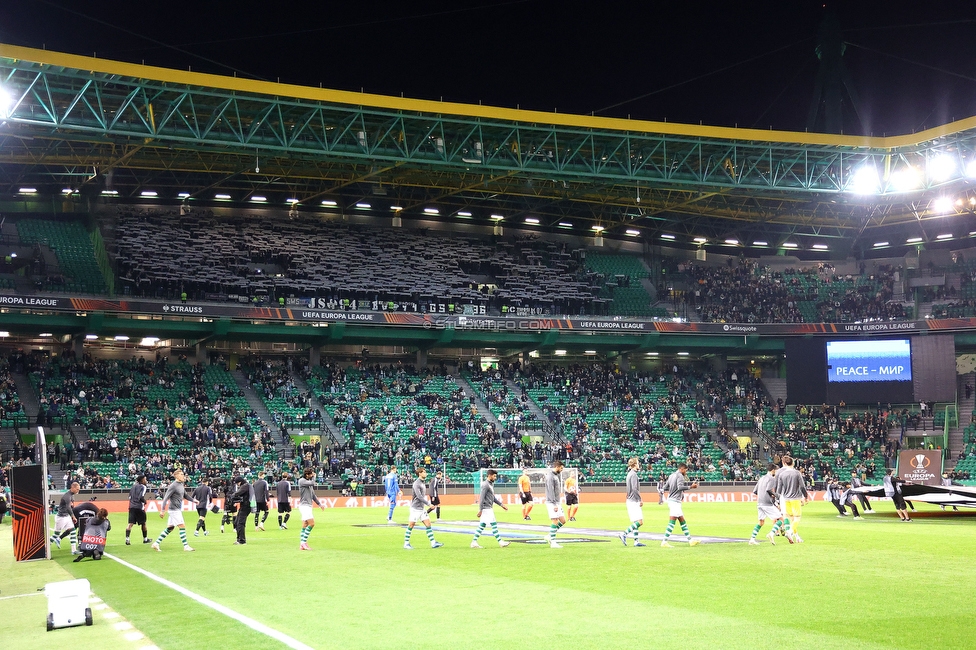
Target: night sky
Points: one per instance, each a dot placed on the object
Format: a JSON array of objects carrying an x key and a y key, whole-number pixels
[{"x": 912, "y": 64}]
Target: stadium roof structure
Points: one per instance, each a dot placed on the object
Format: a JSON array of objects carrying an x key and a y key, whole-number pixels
[{"x": 80, "y": 124}]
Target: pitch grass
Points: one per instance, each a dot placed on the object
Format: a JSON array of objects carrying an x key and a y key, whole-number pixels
[{"x": 876, "y": 583}]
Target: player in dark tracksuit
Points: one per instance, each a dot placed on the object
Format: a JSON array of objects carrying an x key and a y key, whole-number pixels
[
  {"x": 202, "y": 495},
  {"x": 230, "y": 509},
  {"x": 284, "y": 501},
  {"x": 435, "y": 493},
  {"x": 260, "y": 487}
]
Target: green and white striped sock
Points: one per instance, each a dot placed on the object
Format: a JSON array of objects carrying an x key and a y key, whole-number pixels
[
  {"x": 777, "y": 525},
  {"x": 183, "y": 537},
  {"x": 494, "y": 531},
  {"x": 162, "y": 535},
  {"x": 635, "y": 526},
  {"x": 667, "y": 531},
  {"x": 406, "y": 535},
  {"x": 430, "y": 534},
  {"x": 478, "y": 532},
  {"x": 755, "y": 531},
  {"x": 306, "y": 531},
  {"x": 684, "y": 529}
]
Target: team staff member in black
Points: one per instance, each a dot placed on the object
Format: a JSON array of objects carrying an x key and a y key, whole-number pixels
[
  {"x": 202, "y": 495},
  {"x": 137, "y": 509},
  {"x": 284, "y": 500},
  {"x": 260, "y": 487},
  {"x": 435, "y": 493},
  {"x": 245, "y": 497}
]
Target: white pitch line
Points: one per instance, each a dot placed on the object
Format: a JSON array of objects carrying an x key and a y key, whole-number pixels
[
  {"x": 38, "y": 593},
  {"x": 226, "y": 611}
]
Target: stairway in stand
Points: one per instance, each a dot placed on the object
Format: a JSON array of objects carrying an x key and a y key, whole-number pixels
[
  {"x": 965, "y": 407},
  {"x": 327, "y": 420},
  {"x": 287, "y": 447}
]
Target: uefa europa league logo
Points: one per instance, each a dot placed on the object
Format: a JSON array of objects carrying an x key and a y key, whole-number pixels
[{"x": 920, "y": 461}]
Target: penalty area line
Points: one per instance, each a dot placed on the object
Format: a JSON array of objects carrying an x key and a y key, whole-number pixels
[{"x": 226, "y": 611}]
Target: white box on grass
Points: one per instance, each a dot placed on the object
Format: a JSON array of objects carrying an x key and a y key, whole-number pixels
[{"x": 67, "y": 603}]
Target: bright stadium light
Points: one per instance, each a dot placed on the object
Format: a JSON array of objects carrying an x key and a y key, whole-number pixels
[
  {"x": 905, "y": 179},
  {"x": 329, "y": 204},
  {"x": 6, "y": 103},
  {"x": 700, "y": 240},
  {"x": 790, "y": 244},
  {"x": 363, "y": 206},
  {"x": 531, "y": 220},
  {"x": 760, "y": 243},
  {"x": 149, "y": 194},
  {"x": 732, "y": 242},
  {"x": 632, "y": 232},
  {"x": 565, "y": 224},
  {"x": 259, "y": 199},
  {"x": 942, "y": 204},
  {"x": 291, "y": 201},
  {"x": 121, "y": 337},
  {"x": 560, "y": 353},
  {"x": 28, "y": 190},
  {"x": 945, "y": 236},
  {"x": 865, "y": 180},
  {"x": 941, "y": 167},
  {"x": 464, "y": 213},
  {"x": 222, "y": 197},
  {"x": 110, "y": 192},
  {"x": 589, "y": 351},
  {"x": 880, "y": 244},
  {"x": 671, "y": 237},
  {"x": 597, "y": 228},
  {"x": 184, "y": 195},
  {"x": 149, "y": 340},
  {"x": 913, "y": 240},
  {"x": 820, "y": 247},
  {"x": 431, "y": 211},
  {"x": 683, "y": 354},
  {"x": 91, "y": 337},
  {"x": 497, "y": 217}
]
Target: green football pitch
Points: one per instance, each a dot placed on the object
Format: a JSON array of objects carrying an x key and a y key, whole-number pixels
[{"x": 874, "y": 583}]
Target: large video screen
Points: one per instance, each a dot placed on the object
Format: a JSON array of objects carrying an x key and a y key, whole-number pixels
[
  {"x": 867, "y": 371},
  {"x": 864, "y": 361}
]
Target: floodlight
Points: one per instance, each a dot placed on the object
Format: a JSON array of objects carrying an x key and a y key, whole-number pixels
[
  {"x": 945, "y": 236},
  {"x": 700, "y": 240},
  {"x": 565, "y": 224},
  {"x": 184, "y": 195},
  {"x": 292, "y": 201},
  {"x": 464, "y": 213},
  {"x": 632, "y": 232},
  {"x": 942, "y": 204},
  {"x": 913, "y": 240},
  {"x": 758, "y": 243},
  {"x": 865, "y": 180},
  {"x": 6, "y": 103},
  {"x": 531, "y": 220},
  {"x": 880, "y": 244},
  {"x": 671, "y": 237},
  {"x": 820, "y": 247},
  {"x": 223, "y": 197},
  {"x": 363, "y": 206},
  {"x": 259, "y": 199},
  {"x": 905, "y": 179},
  {"x": 790, "y": 244},
  {"x": 330, "y": 204},
  {"x": 732, "y": 242},
  {"x": 941, "y": 167},
  {"x": 148, "y": 194},
  {"x": 431, "y": 211}
]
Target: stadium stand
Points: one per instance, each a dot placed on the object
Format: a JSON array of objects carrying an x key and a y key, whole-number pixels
[
  {"x": 150, "y": 417},
  {"x": 72, "y": 244},
  {"x": 344, "y": 264},
  {"x": 746, "y": 291},
  {"x": 621, "y": 277}
]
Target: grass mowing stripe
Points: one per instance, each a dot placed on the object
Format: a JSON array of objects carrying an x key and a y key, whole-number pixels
[
  {"x": 226, "y": 611},
  {"x": 38, "y": 593}
]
